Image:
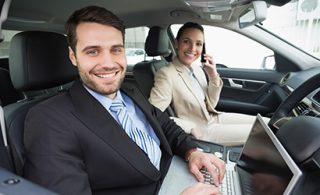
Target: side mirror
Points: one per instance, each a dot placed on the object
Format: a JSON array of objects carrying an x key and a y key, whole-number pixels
[
  {"x": 256, "y": 12},
  {"x": 268, "y": 62}
]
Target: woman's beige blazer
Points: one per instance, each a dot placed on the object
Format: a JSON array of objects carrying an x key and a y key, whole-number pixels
[{"x": 174, "y": 86}]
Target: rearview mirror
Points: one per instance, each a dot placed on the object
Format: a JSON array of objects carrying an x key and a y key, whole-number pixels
[{"x": 256, "y": 12}]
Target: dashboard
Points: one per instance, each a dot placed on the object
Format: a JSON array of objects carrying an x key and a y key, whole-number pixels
[{"x": 309, "y": 105}]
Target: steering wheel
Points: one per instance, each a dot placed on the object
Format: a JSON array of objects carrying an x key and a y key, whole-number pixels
[{"x": 293, "y": 99}]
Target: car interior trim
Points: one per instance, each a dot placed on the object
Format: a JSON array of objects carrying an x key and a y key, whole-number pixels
[{"x": 3, "y": 127}]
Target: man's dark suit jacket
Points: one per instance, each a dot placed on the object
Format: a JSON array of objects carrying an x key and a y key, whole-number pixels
[{"x": 74, "y": 146}]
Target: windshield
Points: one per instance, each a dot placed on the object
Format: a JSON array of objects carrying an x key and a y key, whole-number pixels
[{"x": 297, "y": 22}]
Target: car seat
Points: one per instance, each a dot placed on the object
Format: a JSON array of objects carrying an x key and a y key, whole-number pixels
[
  {"x": 157, "y": 44},
  {"x": 37, "y": 61},
  {"x": 5, "y": 161},
  {"x": 8, "y": 94}
]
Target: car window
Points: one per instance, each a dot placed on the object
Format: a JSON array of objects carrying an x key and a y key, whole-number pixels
[
  {"x": 234, "y": 50},
  {"x": 5, "y": 44},
  {"x": 135, "y": 39},
  {"x": 297, "y": 22}
]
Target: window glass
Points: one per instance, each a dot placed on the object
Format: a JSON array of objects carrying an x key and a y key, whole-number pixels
[
  {"x": 234, "y": 50},
  {"x": 5, "y": 44},
  {"x": 134, "y": 42},
  {"x": 297, "y": 22},
  {"x": 135, "y": 39}
]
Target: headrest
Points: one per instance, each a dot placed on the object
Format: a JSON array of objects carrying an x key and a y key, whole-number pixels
[
  {"x": 39, "y": 60},
  {"x": 157, "y": 42}
]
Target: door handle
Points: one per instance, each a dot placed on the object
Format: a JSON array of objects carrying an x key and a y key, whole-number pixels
[{"x": 233, "y": 84}]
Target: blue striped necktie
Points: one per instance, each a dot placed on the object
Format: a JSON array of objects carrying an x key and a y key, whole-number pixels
[{"x": 142, "y": 139}]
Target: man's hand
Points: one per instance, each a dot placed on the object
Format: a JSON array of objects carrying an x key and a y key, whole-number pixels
[
  {"x": 201, "y": 189},
  {"x": 215, "y": 166}
]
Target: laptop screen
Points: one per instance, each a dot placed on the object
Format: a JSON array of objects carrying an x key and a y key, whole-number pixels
[{"x": 269, "y": 168}]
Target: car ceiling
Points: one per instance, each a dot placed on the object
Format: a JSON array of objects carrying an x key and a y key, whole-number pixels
[{"x": 51, "y": 15}]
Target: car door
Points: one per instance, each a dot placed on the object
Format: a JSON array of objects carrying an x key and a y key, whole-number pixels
[
  {"x": 251, "y": 83},
  {"x": 251, "y": 79},
  {"x": 250, "y": 91}
]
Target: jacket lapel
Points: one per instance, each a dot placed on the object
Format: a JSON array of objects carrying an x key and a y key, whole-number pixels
[
  {"x": 188, "y": 82},
  {"x": 98, "y": 120}
]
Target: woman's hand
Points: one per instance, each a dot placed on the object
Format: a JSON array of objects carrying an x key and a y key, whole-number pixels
[{"x": 210, "y": 66}]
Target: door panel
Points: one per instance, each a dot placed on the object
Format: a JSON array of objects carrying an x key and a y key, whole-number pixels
[{"x": 249, "y": 91}]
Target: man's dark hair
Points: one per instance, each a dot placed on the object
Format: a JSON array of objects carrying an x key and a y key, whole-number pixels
[
  {"x": 94, "y": 14},
  {"x": 187, "y": 26}
]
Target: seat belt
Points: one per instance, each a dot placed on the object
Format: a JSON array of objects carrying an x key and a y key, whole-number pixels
[{"x": 3, "y": 127}]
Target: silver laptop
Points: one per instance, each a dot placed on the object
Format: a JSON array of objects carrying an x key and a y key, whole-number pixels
[{"x": 264, "y": 167}]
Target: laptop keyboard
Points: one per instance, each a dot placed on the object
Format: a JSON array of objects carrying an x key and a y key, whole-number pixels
[{"x": 226, "y": 187}]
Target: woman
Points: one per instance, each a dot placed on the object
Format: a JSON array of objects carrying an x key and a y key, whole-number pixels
[{"x": 183, "y": 84}]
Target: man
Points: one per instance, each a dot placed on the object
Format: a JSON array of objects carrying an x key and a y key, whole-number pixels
[{"x": 79, "y": 143}]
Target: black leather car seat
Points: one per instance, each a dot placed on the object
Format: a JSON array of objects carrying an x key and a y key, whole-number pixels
[
  {"x": 157, "y": 44},
  {"x": 5, "y": 161},
  {"x": 37, "y": 61},
  {"x": 8, "y": 94}
]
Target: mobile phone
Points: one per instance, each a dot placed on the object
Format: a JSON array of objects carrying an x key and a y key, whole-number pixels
[{"x": 202, "y": 54}]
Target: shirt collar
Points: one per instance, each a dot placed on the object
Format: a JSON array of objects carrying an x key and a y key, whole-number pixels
[
  {"x": 176, "y": 61},
  {"x": 105, "y": 101},
  {"x": 189, "y": 70}
]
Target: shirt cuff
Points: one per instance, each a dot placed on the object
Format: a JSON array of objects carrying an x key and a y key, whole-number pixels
[
  {"x": 189, "y": 152},
  {"x": 216, "y": 80}
]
